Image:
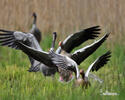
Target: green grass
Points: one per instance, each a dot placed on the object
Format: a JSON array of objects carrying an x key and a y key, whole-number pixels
[{"x": 16, "y": 83}]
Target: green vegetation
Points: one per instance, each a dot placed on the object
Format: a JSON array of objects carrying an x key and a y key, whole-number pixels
[{"x": 16, "y": 83}]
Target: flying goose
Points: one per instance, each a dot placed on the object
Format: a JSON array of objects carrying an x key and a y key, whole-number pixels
[
  {"x": 34, "y": 30},
  {"x": 11, "y": 38},
  {"x": 95, "y": 66},
  {"x": 76, "y": 39},
  {"x": 59, "y": 61}
]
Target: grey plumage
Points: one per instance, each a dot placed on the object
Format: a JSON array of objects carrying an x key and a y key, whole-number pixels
[
  {"x": 51, "y": 58},
  {"x": 64, "y": 62},
  {"x": 11, "y": 39},
  {"x": 34, "y": 30}
]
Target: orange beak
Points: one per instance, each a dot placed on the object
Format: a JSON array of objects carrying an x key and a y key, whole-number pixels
[{"x": 60, "y": 43}]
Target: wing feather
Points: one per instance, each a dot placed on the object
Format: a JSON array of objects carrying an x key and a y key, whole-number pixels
[
  {"x": 40, "y": 56},
  {"x": 102, "y": 60},
  {"x": 81, "y": 54},
  {"x": 98, "y": 63},
  {"x": 78, "y": 38}
]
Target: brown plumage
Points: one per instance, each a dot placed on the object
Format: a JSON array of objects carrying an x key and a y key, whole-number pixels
[
  {"x": 95, "y": 66},
  {"x": 82, "y": 81}
]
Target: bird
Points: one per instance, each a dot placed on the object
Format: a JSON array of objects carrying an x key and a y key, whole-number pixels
[
  {"x": 62, "y": 61},
  {"x": 40, "y": 67},
  {"x": 81, "y": 80},
  {"x": 77, "y": 38},
  {"x": 95, "y": 66},
  {"x": 34, "y": 30},
  {"x": 11, "y": 38}
]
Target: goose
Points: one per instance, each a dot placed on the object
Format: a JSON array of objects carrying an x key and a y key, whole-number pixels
[
  {"x": 95, "y": 66},
  {"x": 34, "y": 30},
  {"x": 10, "y": 39},
  {"x": 60, "y": 61},
  {"x": 77, "y": 38}
]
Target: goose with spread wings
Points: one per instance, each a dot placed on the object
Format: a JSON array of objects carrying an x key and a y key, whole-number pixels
[
  {"x": 11, "y": 39},
  {"x": 95, "y": 66},
  {"x": 62, "y": 61}
]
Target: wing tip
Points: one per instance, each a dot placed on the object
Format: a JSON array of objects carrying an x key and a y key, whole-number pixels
[
  {"x": 108, "y": 54},
  {"x": 107, "y": 34},
  {"x": 2, "y": 30}
]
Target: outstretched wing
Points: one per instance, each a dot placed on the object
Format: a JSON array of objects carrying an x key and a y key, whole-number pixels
[
  {"x": 7, "y": 38},
  {"x": 78, "y": 38},
  {"x": 40, "y": 56},
  {"x": 11, "y": 38},
  {"x": 81, "y": 54},
  {"x": 98, "y": 63},
  {"x": 101, "y": 61}
]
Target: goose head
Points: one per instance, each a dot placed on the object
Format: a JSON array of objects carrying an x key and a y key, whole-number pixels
[
  {"x": 34, "y": 15},
  {"x": 82, "y": 73},
  {"x": 60, "y": 43},
  {"x": 63, "y": 52},
  {"x": 82, "y": 81},
  {"x": 35, "y": 18}
]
